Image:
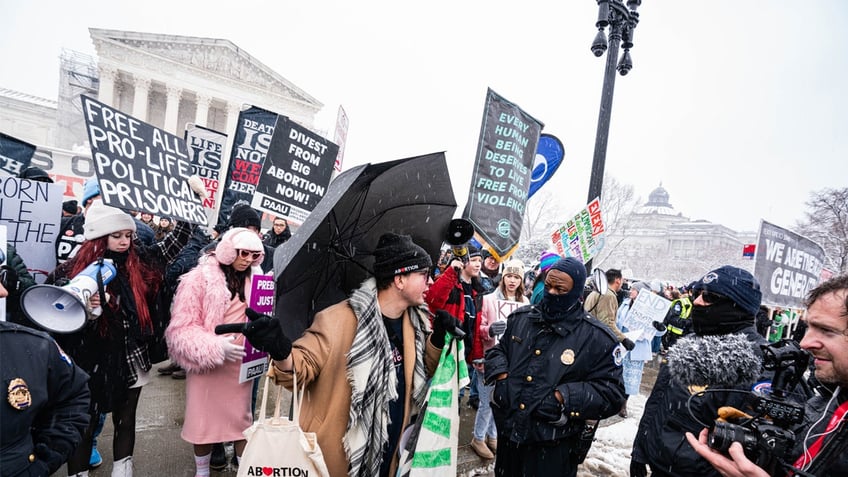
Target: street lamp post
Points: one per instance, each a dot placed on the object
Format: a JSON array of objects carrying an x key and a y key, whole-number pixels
[{"x": 622, "y": 21}]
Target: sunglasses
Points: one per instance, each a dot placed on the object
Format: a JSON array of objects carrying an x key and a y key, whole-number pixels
[
  {"x": 711, "y": 298},
  {"x": 249, "y": 253}
]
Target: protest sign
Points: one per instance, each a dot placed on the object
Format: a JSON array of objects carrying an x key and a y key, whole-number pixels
[
  {"x": 31, "y": 212},
  {"x": 15, "y": 155},
  {"x": 505, "y": 154},
  {"x": 139, "y": 166},
  {"x": 504, "y": 308},
  {"x": 206, "y": 148},
  {"x": 296, "y": 174},
  {"x": 254, "y": 131},
  {"x": 646, "y": 308},
  {"x": 582, "y": 237},
  {"x": 787, "y": 265},
  {"x": 254, "y": 364}
]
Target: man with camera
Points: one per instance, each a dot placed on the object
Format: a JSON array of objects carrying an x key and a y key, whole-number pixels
[
  {"x": 822, "y": 438},
  {"x": 727, "y": 299}
]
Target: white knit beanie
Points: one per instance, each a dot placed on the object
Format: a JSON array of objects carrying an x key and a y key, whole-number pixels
[{"x": 103, "y": 220}]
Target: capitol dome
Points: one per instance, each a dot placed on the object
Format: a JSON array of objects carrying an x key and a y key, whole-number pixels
[{"x": 657, "y": 203}]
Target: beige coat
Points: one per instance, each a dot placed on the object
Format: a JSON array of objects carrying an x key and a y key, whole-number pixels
[
  {"x": 605, "y": 309},
  {"x": 320, "y": 359}
]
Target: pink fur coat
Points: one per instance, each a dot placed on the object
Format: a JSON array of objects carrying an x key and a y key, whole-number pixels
[{"x": 201, "y": 300}]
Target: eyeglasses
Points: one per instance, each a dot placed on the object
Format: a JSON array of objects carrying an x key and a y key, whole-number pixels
[
  {"x": 249, "y": 253},
  {"x": 710, "y": 298}
]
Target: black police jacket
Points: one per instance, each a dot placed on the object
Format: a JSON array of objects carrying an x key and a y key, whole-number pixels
[
  {"x": 47, "y": 408},
  {"x": 573, "y": 356}
]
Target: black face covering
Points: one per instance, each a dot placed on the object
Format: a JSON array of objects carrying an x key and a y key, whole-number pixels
[
  {"x": 557, "y": 307},
  {"x": 719, "y": 319}
]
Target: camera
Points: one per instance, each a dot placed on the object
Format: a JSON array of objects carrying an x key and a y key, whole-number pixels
[{"x": 766, "y": 437}]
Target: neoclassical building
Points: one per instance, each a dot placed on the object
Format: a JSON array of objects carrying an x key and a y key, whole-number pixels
[
  {"x": 656, "y": 241},
  {"x": 165, "y": 80}
]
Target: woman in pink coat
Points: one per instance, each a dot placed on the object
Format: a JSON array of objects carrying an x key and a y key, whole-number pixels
[
  {"x": 492, "y": 323},
  {"x": 215, "y": 292}
]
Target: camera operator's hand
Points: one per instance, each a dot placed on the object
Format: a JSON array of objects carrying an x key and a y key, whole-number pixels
[
  {"x": 658, "y": 325},
  {"x": 628, "y": 344},
  {"x": 442, "y": 323},
  {"x": 497, "y": 328},
  {"x": 736, "y": 466},
  {"x": 265, "y": 334}
]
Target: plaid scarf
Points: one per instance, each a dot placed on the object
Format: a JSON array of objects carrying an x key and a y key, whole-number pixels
[{"x": 373, "y": 381}]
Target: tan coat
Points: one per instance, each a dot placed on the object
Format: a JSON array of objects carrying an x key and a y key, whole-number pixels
[
  {"x": 605, "y": 309},
  {"x": 320, "y": 359}
]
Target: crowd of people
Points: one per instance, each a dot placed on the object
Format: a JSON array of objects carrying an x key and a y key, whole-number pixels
[{"x": 548, "y": 355}]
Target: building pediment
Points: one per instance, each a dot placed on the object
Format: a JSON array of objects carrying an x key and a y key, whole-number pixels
[{"x": 206, "y": 55}]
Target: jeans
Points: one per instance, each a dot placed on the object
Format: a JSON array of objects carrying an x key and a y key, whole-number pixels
[{"x": 484, "y": 423}]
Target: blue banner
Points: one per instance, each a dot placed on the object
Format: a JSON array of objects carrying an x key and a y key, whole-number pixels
[{"x": 549, "y": 154}]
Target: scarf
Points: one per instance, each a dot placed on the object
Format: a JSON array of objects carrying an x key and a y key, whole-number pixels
[{"x": 373, "y": 382}]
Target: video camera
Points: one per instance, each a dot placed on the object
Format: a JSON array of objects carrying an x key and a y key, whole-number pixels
[{"x": 766, "y": 437}]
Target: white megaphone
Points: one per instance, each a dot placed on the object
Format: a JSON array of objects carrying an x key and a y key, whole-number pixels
[{"x": 62, "y": 309}]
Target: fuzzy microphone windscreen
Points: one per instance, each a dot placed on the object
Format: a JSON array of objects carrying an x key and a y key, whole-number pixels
[{"x": 716, "y": 361}]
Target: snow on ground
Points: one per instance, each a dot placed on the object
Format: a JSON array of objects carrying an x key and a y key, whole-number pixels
[{"x": 610, "y": 453}]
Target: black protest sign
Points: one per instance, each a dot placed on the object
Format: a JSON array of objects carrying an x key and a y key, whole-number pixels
[
  {"x": 505, "y": 154},
  {"x": 296, "y": 174},
  {"x": 787, "y": 265},
  {"x": 15, "y": 155},
  {"x": 139, "y": 166},
  {"x": 252, "y": 138}
]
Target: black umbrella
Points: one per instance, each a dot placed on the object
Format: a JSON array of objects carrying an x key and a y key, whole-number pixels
[{"x": 331, "y": 253}]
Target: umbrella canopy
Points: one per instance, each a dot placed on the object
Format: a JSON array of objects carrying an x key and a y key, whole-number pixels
[{"x": 332, "y": 252}]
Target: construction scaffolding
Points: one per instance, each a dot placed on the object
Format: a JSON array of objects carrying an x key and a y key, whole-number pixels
[{"x": 78, "y": 74}]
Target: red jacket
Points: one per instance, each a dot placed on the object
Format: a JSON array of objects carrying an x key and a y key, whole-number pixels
[{"x": 447, "y": 294}]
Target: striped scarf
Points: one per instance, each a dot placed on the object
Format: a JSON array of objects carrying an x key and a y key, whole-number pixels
[{"x": 373, "y": 382}]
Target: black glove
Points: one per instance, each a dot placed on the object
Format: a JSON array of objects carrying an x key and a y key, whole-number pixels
[
  {"x": 265, "y": 334},
  {"x": 628, "y": 344},
  {"x": 47, "y": 458},
  {"x": 658, "y": 325},
  {"x": 549, "y": 409},
  {"x": 638, "y": 469},
  {"x": 442, "y": 322},
  {"x": 497, "y": 328}
]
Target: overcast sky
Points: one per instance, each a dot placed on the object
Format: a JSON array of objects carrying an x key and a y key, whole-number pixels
[{"x": 737, "y": 107}]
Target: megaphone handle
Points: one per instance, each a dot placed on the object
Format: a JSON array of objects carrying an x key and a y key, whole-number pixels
[{"x": 230, "y": 328}]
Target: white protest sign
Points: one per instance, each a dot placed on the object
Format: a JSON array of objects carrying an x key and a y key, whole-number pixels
[
  {"x": 647, "y": 308},
  {"x": 504, "y": 309},
  {"x": 32, "y": 212}
]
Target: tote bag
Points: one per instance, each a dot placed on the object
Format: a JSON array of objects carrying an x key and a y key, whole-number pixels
[{"x": 278, "y": 446}]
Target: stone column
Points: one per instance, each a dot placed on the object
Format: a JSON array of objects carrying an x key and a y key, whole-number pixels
[
  {"x": 140, "y": 97},
  {"x": 233, "y": 110},
  {"x": 108, "y": 76},
  {"x": 201, "y": 117},
  {"x": 172, "y": 108}
]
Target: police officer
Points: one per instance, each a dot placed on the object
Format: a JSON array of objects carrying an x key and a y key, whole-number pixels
[
  {"x": 46, "y": 408},
  {"x": 553, "y": 370}
]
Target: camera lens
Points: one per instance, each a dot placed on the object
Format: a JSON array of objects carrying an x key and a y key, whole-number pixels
[{"x": 724, "y": 434}]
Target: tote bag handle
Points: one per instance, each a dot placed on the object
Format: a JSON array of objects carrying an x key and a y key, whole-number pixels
[{"x": 296, "y": 398}]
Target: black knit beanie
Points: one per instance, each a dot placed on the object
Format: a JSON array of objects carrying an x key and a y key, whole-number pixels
[
  {"x": 242, "y": 215},
  {"x": 398, "y": 254}
]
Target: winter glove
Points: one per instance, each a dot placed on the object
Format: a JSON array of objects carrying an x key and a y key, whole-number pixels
[
  {"x": 628, "y": 344},
  {"x": 658, "y": 325},
  {"x": 549, "y": 409},
  {"x": 638, "y": 469},
  {"x": 232, "y": 351},
  {"x": 497, "y": 328},
  {"x": 50, "y": 460},
  {"x": 442, "y": 322},
  {"x": 265, "y": 334}
]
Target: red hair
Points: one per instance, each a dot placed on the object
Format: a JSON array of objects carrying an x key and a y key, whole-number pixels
[{"x": 143, "y": 279}]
